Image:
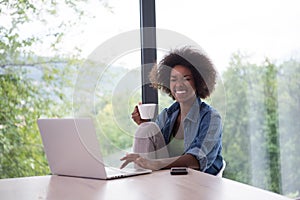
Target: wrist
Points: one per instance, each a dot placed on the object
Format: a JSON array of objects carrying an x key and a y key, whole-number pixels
[{"x": 157, "y": 164}]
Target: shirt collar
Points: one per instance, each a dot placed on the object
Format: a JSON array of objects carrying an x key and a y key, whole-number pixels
[{"x": 193, "y": 114}]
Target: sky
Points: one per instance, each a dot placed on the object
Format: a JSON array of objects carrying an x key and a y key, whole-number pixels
[{"x": 260, "y": 28}]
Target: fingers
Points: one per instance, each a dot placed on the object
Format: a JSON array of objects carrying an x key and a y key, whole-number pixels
[
  {"x": 135, "y": 115},
  {"x": 128, "y": 159},
  {"x": 140, "y": 161},
  {"x": 125, "y": 164}
]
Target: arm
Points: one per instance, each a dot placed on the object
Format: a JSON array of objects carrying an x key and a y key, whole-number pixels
[{"x": 186, "y": 160}]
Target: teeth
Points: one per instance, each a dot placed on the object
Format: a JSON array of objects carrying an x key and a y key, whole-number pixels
[{"x": 181, "y": 92}]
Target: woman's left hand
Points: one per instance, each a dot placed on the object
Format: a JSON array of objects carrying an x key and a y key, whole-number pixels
[{"x": 140, "y": 161}]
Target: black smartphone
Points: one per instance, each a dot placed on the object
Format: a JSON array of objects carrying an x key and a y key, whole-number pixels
[{"x": 179, "y": 171}]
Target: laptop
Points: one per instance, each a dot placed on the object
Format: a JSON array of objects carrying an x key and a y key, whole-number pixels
[{"x": 72, "y": 149}]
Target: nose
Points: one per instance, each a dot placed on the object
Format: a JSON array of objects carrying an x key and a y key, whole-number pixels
[{"x": 179, "y": 82}]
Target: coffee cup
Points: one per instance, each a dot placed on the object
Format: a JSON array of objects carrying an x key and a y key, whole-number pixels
[{"x": 147, "y": 111}]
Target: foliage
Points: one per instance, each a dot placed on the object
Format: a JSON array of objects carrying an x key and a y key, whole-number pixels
[
  {"x": 31, "y": 86},
  {"x": 19, "y": 150},
  {"x": 288, "y": 112},
  {"x": 258, "y": 143},
  {"x": 20, "y": 38},
  {"x": 26, "y": 95}
]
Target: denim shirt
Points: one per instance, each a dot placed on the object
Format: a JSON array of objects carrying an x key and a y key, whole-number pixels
[{"x": 202, "y": 133}]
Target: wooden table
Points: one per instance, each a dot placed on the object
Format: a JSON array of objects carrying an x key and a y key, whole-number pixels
[{"x": 158, "y": 185}]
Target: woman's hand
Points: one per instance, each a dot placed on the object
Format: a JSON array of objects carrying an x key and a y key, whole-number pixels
[
  {"x": 140, "y": 161},
  {"x": 135, "y": 115}
]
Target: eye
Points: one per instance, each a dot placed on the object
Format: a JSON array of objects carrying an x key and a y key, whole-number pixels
[{"x": 188, "y": 78}]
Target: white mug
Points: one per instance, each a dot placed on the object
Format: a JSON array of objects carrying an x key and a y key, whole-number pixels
[{"x": 147, "y": 111}]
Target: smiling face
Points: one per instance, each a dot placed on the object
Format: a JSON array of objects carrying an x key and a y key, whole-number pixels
[{"x": 182, "y": 84}]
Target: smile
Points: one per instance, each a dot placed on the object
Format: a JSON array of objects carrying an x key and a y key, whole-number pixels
[{"x": 180, "y": 92}]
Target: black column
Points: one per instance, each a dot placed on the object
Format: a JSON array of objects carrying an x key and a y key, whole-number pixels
[{"x": 148, "y": 48}]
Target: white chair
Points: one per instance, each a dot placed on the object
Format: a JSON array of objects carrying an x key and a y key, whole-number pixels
[{"x": 220, "y": 174}]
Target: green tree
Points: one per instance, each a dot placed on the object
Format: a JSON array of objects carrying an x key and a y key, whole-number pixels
[
  {"x": 32, "y": 86},
  {"x": 236, "y": 138},
  {"x": 271, "y": 126},
  {"x": 289, "y": 128},
  {"x": 260, "y": 140},
  {"x": 20, "y": 152}
]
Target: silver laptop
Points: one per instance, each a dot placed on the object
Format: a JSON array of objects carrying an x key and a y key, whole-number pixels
[{"x": 72, "y": 149}]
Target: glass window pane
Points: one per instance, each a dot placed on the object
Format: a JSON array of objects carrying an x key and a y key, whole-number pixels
[
  {"x": 255, "y": 47},
  {"x": 40, "y": 64}
]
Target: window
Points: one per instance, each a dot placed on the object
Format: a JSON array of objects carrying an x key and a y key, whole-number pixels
[
  {"x": 53, "y": 70},
  {"x": 40, "y": 63},
  {"x": 256, "y": 51}
]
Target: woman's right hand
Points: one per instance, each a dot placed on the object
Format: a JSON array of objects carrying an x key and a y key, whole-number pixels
[{"x": 135, "y": 115}]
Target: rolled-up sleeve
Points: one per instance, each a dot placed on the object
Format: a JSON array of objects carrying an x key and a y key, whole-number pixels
[{"x": 207, "y": 142}]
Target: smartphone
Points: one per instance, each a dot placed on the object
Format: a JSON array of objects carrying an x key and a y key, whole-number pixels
[{"x": 178, "y": 171}]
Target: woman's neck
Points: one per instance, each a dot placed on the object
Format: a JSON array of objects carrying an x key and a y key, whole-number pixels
[{"x": 185, "y": 108}]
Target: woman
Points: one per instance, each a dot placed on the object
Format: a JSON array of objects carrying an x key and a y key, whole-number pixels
[{"x": 189, "y": 132}]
